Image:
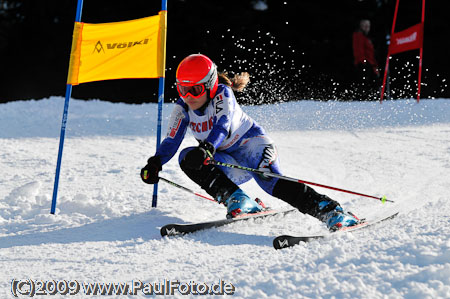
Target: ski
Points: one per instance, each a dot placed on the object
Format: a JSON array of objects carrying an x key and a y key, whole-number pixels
[
  {"x": 182, "y": 229},
  {"x": 286, "y": 241}
]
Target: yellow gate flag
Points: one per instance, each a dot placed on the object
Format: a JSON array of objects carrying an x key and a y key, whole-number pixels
[{"x": 129, "y": 49}]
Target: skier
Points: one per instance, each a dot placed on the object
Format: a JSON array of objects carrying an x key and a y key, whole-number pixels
[{"x": 207, "y": 106}]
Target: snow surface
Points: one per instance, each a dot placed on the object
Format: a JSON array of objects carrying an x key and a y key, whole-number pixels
[{"x": 105, "y": 229}]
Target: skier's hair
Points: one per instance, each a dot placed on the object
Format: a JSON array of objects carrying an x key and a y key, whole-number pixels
[{"x": 237, "y": 83}]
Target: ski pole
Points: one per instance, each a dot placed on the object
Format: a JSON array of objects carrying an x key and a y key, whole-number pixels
[
  {"x": 271, "y": 174},
  {"x": 186, "y": 189}
]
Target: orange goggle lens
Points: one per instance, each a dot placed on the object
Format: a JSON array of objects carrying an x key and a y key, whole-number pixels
[{"x": 195, "y": 91}]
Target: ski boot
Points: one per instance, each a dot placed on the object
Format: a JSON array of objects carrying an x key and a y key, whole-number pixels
[
  {"x": 335, "y": 218},
  {"x": 240, "y": 203}
]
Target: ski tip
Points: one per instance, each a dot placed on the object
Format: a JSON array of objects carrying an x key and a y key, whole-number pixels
[
  {"x": 281, "y": 242},
  {"x": 163, "y": 232},
  {"x": 170, "y": 230}
]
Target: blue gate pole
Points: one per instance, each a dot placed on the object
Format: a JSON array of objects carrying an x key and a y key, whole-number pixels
[
  {"x": 160, "y": 104},
  {"x": 63, "y": 124},
  {"x": 158, "y": 133}
]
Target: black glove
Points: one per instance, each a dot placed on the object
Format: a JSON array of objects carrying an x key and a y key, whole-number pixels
[
  {"x": 199, "y": 156},
  {"x": 149, "y": 174}
]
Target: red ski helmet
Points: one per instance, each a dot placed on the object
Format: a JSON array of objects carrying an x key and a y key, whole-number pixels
[{"x": 196, "y": 74}]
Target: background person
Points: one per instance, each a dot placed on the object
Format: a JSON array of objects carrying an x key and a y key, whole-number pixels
[{"x": 366, "y": 66}]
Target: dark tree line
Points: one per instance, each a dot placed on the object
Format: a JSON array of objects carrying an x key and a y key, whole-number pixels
[{"x": 292, "y": 49}]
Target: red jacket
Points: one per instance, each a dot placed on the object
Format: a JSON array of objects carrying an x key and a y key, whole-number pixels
[{"x": 363, "y": 49}]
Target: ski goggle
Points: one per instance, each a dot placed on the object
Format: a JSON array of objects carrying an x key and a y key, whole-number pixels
[{"x": 194, "y": 91}]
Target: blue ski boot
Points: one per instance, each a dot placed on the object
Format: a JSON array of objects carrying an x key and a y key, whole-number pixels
[
  {"x": 335, "y": 218},
  {"x": 240, "y": 203}
]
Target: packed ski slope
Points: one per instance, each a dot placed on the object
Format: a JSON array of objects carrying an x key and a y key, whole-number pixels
[{"x": 105, "y": 229}]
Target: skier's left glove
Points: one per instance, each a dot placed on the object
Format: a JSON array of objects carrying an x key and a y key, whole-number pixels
[
  {"x": 149, "y": 174},
  {"x": 199, "y": 155}
]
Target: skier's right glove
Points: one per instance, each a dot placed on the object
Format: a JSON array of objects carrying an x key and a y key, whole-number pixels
[{"x": 149, "y": 174}]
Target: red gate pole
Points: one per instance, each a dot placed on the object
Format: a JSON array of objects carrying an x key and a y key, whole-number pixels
[
  {"x": 389, "y": 53},
  {"x": 421, "y": 55}
]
